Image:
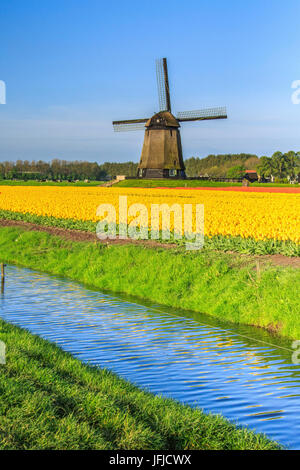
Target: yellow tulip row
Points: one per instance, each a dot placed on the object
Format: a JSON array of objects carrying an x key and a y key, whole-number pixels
[{"x": 256, "y": 215}]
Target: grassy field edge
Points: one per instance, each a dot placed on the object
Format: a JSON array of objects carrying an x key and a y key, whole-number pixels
[
  {"x": 51, "y": 183},
  {"x": 223, "y": 285},
  {"x": 173, "y": 183}
]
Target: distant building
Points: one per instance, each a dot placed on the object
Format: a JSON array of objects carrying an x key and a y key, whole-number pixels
[{"x": 251, "y": 176}]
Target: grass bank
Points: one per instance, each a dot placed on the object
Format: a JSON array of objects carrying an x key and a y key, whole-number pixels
[
  {"x": 50, "y": 400},
  {"x": 141, "y": 183},
  {"x": 221, "y": 284},
  {"x": 170, "y": 183},
  {"x": 48, "y": 183}
]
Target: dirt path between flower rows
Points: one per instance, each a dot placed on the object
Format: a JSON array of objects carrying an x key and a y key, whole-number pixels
[{"x": 81, "y": 236}]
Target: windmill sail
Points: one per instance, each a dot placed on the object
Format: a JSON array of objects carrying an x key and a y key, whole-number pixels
[
  {"x": 129, "y": 125},
  {"x": 163, "y": 85},
  {"x": 202, "y": 114},
  {"x": 162, "y": 151}
]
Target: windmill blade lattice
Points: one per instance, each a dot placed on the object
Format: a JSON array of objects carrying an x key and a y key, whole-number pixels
[
  {"x": 129, "y": 125},
  {"x": 160, "y": 77},
  {"x": 202, "y": 114}
]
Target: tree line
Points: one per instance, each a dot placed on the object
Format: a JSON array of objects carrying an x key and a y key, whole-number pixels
[
  {"x": 219, "y": 165},
  {"x": 56, "y": 170},
  {"x": 62, "y": 170},
  {"x": 280, "y": 166}
]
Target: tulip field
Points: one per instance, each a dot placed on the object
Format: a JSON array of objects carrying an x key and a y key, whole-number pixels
[{"x": 254, "y": 217}]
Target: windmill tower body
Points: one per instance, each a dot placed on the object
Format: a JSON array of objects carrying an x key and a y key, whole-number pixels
[{"x": 162, "y": 151}]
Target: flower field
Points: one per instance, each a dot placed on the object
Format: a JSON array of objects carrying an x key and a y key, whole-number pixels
[{"x": 259, "y": 216}]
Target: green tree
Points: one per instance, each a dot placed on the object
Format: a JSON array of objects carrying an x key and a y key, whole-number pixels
[
  {"x": 293, "y": 164},
  {"x": 236, "y": 171},
  {"x": 264, "y": 168},
  {"x": 279, "y": 162}
]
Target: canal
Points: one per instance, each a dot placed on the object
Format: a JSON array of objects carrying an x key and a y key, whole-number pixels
[{"x": 244, "y": 373}]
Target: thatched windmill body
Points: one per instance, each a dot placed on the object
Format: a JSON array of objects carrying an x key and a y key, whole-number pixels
[{"x": 162, "y": 152}]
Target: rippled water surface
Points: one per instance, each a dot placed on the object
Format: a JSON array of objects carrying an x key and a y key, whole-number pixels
[{"x": 243, "y": 373}]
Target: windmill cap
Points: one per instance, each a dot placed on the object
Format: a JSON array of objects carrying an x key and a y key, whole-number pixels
[{"x": 162, "y": 119}]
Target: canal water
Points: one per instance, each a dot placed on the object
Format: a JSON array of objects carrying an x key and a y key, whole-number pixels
[{"x": 242, "y": 372}]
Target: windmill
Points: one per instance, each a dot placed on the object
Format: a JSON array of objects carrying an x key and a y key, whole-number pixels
[{"x": 162, "y": 152}]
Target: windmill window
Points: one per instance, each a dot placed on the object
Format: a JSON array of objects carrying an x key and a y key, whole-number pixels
[{"x": 172, "y": 172}]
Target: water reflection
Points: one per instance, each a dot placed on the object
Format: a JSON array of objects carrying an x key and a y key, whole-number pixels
[{"x": 241, "y": 372}]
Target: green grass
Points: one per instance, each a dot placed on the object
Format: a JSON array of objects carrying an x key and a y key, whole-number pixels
[
  {"x": 50, "y": 400},
  {"x": 141, "y": 183},
  {"x": 218, "y": 242},
  {"x": 224, "y": 285},
  {"x": 47, "y": 183},
  {"x": 276, "y": 185}
]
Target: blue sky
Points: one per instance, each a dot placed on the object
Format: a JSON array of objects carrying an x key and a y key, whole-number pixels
[{"x": 71, "y": 67}]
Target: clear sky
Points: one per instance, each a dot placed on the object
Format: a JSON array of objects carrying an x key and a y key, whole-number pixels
[{"x": 73, "y": 66}]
